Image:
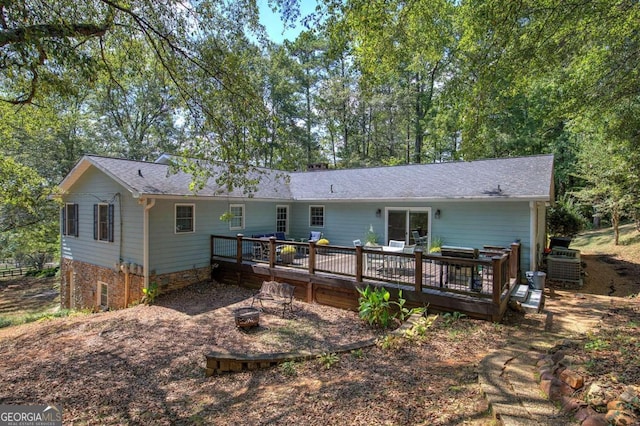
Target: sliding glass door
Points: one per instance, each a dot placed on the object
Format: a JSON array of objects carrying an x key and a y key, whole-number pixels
[{"x": 401, "y": 221}]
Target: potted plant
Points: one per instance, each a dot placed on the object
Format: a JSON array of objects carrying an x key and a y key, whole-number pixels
[
  {"x": 436, "y": 245},
  {"x": 322, "y": 242},
  {"x": 288, "y": 253},
  {"x": 371, "y": 238}
]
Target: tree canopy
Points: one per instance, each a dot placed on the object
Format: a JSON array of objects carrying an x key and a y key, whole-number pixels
[{"x": 367, "y": 83}]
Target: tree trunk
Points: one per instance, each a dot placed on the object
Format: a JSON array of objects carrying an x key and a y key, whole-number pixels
[{"x": 615, "y": 221}]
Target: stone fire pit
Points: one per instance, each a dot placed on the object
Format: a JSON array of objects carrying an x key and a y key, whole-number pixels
[{"x": 247, "y": 317}]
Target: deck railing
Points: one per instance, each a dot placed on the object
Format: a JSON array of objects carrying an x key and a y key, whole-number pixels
[{"x": 487, "y": 276}]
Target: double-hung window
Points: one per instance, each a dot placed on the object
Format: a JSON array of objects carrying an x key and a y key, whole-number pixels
[
  {"x": 103, "y": 222},
  {"x": 185, "y": 218},
  {"x": 237, "y": 220},
  {"x": 70, "y": 220},
  {"x": 316, "y": 216},
  {"x": 282, "y": 219}
]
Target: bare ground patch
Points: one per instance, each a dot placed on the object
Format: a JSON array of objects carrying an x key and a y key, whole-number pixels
[{"x": 145, "y": 365}]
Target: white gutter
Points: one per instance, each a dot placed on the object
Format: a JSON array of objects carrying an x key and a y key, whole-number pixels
[{"x": 148, "y": 204}]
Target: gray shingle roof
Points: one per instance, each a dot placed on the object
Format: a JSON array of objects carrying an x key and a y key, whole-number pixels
[
  {"x": 521, "y": 177},
  {"x": 507, "y": 178},
  {"x": 157, "y": 179}
]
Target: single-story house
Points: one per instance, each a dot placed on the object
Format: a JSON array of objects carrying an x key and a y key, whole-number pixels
[{"x": 127, "y": 223}]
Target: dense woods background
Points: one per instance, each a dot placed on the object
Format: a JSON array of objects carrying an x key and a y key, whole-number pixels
[{"x": 375, "y": 82}]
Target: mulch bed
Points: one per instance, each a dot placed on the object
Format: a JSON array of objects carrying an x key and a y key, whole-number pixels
[{"x": 145, "y": 365}]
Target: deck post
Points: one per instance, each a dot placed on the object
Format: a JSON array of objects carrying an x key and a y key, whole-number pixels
[
  {"x": 497, "y": 279},
  {"x": 359, "y": 264},
  {"x": 312, "y": 258},
  {"x": 239, "y": 238},
  {"x": 418, "y": 276},
  {"x": 272, "y": 252},
  {"x": 211, "y": 258},
  {"x": 514, "y": 262}
]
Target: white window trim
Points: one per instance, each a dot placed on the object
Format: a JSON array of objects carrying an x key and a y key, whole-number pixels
[
  {"x": 324, "y": 215},
  {"x": 286, "y": 226},
  {"x": 241, "y": 206},
  {"x": 175, "y": 218}
]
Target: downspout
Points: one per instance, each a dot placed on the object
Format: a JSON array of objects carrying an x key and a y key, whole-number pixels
[
  {"x": 533, "y": 237},
  {"x": 148, "y": 204}
]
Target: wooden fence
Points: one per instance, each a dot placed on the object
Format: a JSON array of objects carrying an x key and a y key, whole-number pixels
[{"x": 13, "y": 272}]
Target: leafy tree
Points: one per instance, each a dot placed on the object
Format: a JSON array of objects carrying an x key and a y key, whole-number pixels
[
  {"x": 21, "y": 188},
  {"x": 137, "y": 109},
  {"x": 396, "y": 40},
  {"x": 42, "y": 42},
  {"x": 608, "y": 162}
]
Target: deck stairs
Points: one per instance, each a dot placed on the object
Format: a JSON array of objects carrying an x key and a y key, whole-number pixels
[{"x": 529, "y": 299}]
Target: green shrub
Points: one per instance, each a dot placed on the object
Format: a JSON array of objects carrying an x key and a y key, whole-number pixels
[
  {"x": 4, "y": 322},
  {"x": 328, "y": 359},
  {"x": 150, "y": 294},
  {"x": 42, "y": 273},
  {"x": 451, "y": 317},
  {"x": 564, "y": 220},
  {"x": 289, "y": 368},
  {"x": 390, "y": 342},
  {"x": 374, "y": 306},
  {"x": 377, "y": 309},
  {"x": 419, "y": 329}
]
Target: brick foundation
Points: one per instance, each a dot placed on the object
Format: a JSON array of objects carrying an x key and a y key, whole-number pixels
[{"x": 79, "y": 284}]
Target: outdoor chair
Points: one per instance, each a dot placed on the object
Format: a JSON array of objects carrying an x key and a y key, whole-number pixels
[
  {"x": 419, "y": 241},
  {"x": 357, "y": 243},
  {"x": 315, "y": 236},
  {"x": 396, "y": 243},
  {"x": 401, "y": 262},
  {"x": 374, "y": 261}
]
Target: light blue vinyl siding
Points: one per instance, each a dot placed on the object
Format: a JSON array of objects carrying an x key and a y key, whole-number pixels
[
  {"x": 94, "y": 188},
  {"x": 343, "y": 222},
  {"x": 172, "y": 252},
  {"x": 476, "y": 224},
  {"x": 465, "y": 223}
]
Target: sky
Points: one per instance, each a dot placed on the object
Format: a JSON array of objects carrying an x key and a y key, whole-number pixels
[{"x": 274, "y": 25}]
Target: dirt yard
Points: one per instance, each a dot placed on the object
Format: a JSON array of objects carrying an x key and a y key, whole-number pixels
[{"x": 145, "y": 365}]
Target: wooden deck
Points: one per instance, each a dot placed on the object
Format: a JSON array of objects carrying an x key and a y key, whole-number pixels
[{"x": 479, "y": 288}]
